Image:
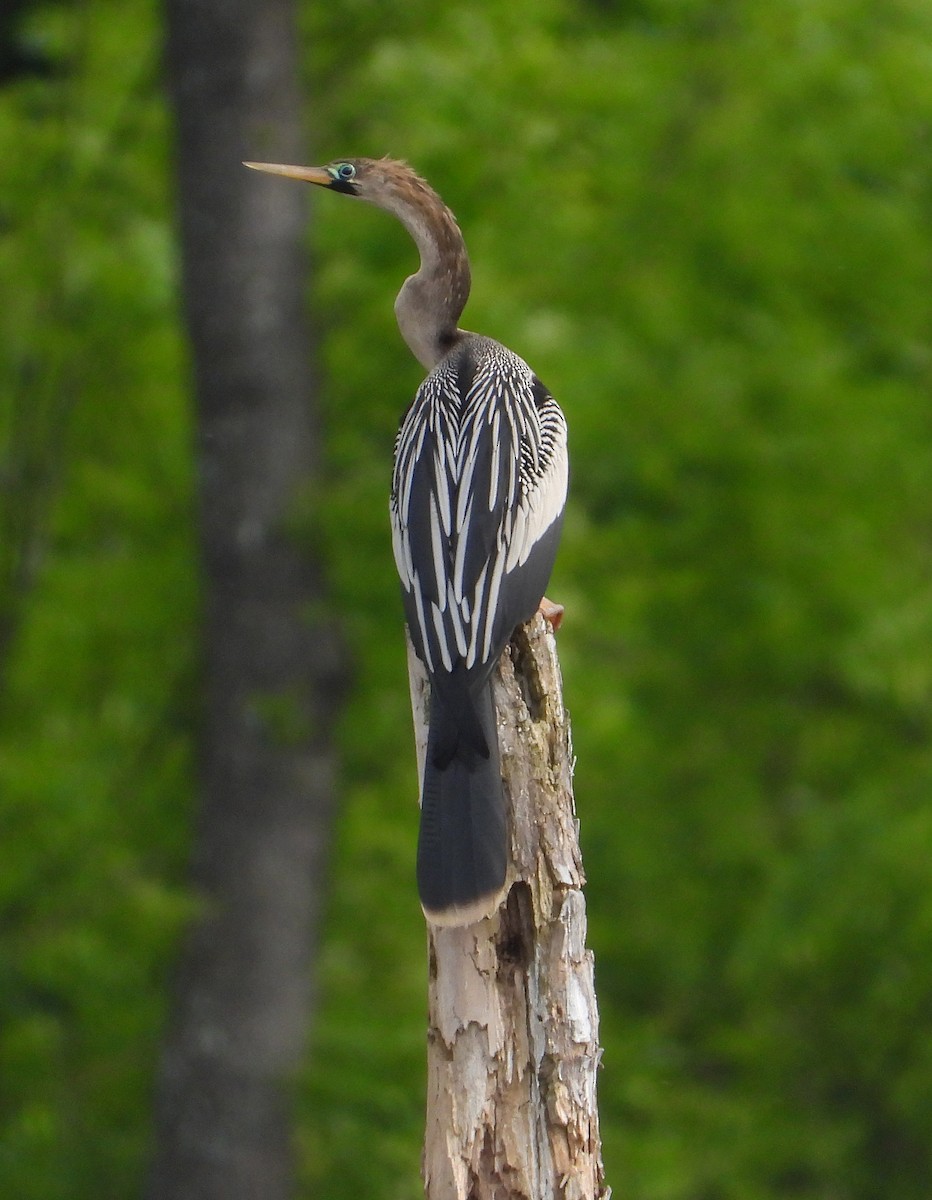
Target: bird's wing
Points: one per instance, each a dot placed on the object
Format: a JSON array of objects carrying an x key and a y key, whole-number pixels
[{"x": 478, "y": 490}]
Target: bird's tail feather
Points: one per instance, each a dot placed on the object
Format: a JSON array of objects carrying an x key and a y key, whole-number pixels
[{"x": 462, "y": 854}]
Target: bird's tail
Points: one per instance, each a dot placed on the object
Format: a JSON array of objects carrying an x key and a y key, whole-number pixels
[{"x": 462, "y": 853}]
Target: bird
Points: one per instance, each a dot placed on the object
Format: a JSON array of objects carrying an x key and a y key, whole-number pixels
[{"x": 478, "y": 491}]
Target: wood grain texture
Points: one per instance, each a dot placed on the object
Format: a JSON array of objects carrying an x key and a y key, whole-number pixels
[{"x": 513, "y": 1047}]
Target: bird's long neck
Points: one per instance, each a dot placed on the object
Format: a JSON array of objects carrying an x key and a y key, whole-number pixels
[{"x": 431, "y": 301}]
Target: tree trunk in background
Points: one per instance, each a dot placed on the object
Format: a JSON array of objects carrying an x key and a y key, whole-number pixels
[
  {"x": 243, "y": 988},
  {"x": 513, "y": 1041}
]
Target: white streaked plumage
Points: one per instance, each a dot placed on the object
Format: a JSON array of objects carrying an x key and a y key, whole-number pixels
[{"x": 522, "y": 497}]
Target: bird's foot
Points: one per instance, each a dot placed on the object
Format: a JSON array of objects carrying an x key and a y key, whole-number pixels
[{"x": 551, "y": 612}]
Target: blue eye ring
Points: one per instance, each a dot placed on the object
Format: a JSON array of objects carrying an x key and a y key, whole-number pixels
[{"x": 344, "y": 172}]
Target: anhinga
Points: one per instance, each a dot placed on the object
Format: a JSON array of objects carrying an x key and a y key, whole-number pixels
[{"x": 478, "y": 490}]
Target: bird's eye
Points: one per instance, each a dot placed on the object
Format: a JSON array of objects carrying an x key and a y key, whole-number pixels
[{"x": 345, "y": 171}]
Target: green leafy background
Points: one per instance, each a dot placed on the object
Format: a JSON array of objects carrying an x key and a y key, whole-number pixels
[{"x": 707, "y": 225}]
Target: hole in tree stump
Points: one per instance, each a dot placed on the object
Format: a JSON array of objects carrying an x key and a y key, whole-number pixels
[
  {"x": 526, "y": 674},
  {"x": 515, "y": 932}
]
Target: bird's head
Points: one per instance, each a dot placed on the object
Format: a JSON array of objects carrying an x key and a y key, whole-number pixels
[
  {"x": 372, "y": 179},
  {"x": 431, "y": 301}
]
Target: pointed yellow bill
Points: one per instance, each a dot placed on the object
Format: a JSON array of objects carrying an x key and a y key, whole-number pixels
[{"x": 309, "y": 174}]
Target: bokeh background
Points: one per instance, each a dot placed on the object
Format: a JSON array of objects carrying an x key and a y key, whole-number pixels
[{"x": 708, "y": 225}]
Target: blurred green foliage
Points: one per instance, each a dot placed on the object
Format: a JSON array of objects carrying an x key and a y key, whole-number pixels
[
  {"x": 97, "y": 604},
  {"x": 707, "y": 227}
]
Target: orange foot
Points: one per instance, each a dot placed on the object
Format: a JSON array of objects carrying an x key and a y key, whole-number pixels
[{"x": 551, "y": 612}]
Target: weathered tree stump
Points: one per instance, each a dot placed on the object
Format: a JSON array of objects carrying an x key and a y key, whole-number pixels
[{"x": 513, "y": 1045}]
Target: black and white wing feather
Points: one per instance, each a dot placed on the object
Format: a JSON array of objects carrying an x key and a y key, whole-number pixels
[{"x": 478, "y": 491}]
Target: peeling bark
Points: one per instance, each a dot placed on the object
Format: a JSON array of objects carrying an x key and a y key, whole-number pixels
[{"x": 513, "y": 1045}]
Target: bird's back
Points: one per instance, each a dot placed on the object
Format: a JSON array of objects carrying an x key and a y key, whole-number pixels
[{"x": 478, "y": 490}]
